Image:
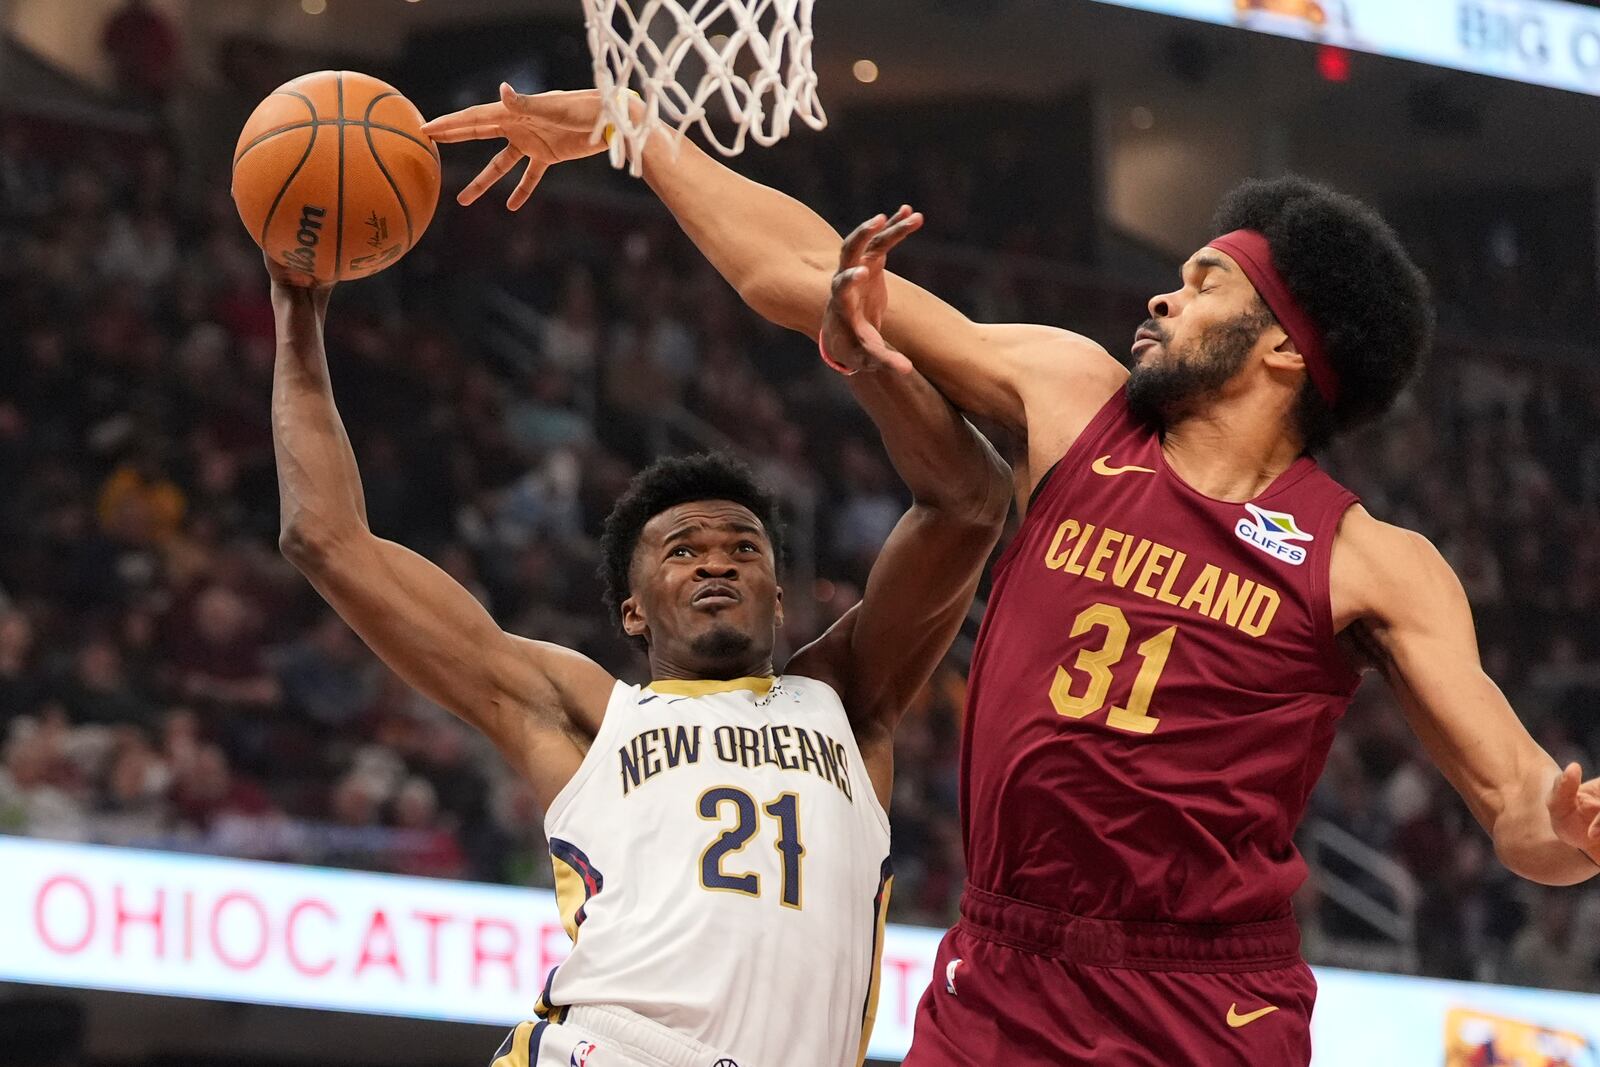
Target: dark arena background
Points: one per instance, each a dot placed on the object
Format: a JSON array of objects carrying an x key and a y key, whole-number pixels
[{"x": 232, "y": 837}]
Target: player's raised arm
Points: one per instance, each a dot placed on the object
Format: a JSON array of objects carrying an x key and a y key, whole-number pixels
[
  {"x": 537, "y": 702},
  {"x": 780, "y": 256},
  {"x": 1415, "y": 624},
  {"x": 922, "y": 584}
]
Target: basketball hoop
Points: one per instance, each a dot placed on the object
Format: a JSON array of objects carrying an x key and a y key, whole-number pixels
[{"x": 753, "y": 55}]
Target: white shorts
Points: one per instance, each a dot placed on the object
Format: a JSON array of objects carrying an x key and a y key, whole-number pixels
[{"x": 595, "y": 1035}]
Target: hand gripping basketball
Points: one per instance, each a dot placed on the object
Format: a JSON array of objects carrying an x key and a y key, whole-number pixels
[
  {"x": 544, "y": 128},
  {"x": 288, "y": 278},
  {"x": 1575, "y": 811},
  {"x": 851, "y": 339}
]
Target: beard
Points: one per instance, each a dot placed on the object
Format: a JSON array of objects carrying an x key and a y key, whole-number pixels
[
  {"x": 721, "y": 644},
  {"x": 1159, "y": 394}
]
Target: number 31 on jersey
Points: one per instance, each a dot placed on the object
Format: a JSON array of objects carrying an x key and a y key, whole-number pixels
[{"x": 1099, "y": 663}]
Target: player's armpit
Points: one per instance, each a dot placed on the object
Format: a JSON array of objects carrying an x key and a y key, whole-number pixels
[
  {"x": 882, "y": 652},
  {"x": 1417, "y": 625},
  {"x": 539, "y": 704}
]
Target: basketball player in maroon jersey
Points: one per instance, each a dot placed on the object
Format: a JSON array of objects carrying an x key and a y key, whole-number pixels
[{"x": 1179, "y": 623}]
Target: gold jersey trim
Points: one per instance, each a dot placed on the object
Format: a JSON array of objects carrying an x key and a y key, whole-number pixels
[{"x": 700, "y": 687}]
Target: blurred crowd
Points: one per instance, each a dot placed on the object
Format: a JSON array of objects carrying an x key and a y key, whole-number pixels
[
  {"x": 166, "y": 680},
  {"x": 1498, "y": 461}
]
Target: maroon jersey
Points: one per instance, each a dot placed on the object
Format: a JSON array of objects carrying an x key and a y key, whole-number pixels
[{"x": 1154, "y": 690}]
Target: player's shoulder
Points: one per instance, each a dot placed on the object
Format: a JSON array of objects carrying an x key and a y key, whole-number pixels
[
  {"x": 1063, "y": 380},
  {"x": 1055, "y": 354},
  {"x": 1370, "y": 541},
  {"x": 1379, "y": 568}
]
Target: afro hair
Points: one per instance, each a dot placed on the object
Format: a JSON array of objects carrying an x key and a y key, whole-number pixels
[
  {"x": 1357, "y": 283},
  {"x": 667, "y": 483}
]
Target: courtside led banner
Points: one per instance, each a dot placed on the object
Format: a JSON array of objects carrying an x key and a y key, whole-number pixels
[
  {"x": 309, "y": 937},
  {"x": 180, "y": 925},
  {"x": 1542, "y": 42}
]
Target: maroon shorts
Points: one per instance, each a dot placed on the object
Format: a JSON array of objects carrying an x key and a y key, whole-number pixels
[{"x": 1020, "y": 985}]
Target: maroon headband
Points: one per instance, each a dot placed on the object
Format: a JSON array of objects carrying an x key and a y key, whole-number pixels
[{"x": 1251, "y": 251}]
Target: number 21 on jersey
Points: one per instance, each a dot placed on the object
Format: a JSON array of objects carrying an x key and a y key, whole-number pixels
[
  {"x": 785, "y": 811},
  {"x": 1099, "y": 663}
]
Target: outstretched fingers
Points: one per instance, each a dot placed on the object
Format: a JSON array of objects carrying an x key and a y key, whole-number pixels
[
  {"x": 905, "y": 223},
  {"x": 527, "y": 183},
  {"x": 1564, "y": 794},
  {"x": 497, "y": 168},
  {"x": 480, "y": 122},
  {"x": 856, "y": 243},
  {"x": 872, "y": 241}
]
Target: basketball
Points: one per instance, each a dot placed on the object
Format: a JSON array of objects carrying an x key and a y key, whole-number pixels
[{"x": 333, "y": 175}]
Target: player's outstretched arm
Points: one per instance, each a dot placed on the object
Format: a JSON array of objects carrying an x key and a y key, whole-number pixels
[
  {"x": 780, "y": 256},
  {"x": 1415, "y": 624},
  {"x": 921, "y": 586},
  {"x": 537, "y": 702}
]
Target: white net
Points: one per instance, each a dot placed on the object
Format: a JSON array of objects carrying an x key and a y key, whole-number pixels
[{"x": 685, "y": 57}]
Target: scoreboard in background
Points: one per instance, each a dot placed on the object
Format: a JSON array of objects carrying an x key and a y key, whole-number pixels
[
  {"x": 1541, "y": 42},
  {"x": 84, "y": 916}
]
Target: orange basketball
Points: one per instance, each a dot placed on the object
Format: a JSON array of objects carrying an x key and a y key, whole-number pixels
[{"x": 334, "y": 176}]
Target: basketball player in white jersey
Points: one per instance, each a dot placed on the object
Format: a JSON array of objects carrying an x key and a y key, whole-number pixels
[{"x": 719, "y": 836}]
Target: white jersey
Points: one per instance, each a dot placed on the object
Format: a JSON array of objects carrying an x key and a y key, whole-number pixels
[{"x": 722, "y": 866}]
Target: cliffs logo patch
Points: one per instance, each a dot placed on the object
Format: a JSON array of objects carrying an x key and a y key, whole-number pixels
[{"x": 1275, "y": 533}]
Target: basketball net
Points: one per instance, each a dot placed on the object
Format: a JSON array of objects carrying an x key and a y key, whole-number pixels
[{"x": 754, "y": 56}]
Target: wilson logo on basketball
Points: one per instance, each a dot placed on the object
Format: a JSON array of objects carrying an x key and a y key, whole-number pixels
[
  {"x": 307, "y": 237},
  {"x": 1272, "y": 532}
]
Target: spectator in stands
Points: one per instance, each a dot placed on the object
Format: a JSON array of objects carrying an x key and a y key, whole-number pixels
[
  {"x": 99, "y": 691},
  {"x": 430, "y": 848},
  {"x": 144, "y": 49},
  {"x": 19, "y": 683},
  {"x": 867, "y": 508},
  {"x": 37, "y": 794},
  {"x": 204, "y": 789},
  {"x": 1546, "y": 953},
  {"x": 218, "y": 655},
  {"x": 132, "y": 808},
  {"x": 328, "y": 675}
]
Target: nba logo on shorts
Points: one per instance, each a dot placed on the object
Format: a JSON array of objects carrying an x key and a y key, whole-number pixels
[{"x": 581, "y": 1053}]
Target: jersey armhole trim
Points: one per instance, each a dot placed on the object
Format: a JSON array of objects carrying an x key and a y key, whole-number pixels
[
  {"x": 1333, "y": 658},
  {"x": 866, "y": 780},
  {"x": 1115, "y": 406},
  {"x": 622, "y": 694}
]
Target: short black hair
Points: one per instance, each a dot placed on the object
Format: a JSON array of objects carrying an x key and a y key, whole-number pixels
[
  {"x": 1355, "y": 280},
  {"x": 667, "y": 483}
]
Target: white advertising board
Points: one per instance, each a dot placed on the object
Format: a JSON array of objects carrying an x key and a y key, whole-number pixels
[
  {"x": 221, "y": 929},
  {"x": 84, "y": 916}
]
